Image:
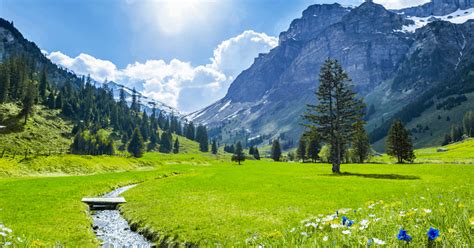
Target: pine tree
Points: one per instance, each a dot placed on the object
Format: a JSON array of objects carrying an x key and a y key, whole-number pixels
[
  {"x": 276, "y": 151},
  {"x": 4, "y": 82},
  {"x": 59, "y": 101},
  {"x": 29, "y": 101},
  {"x": 238, "y": 153},
  {"x": 190, "y": 131},
  {"x": 176, "y": 146},
  {"x": 51, "y": 102},
  {"x": 136, "y": 145},
  {"x": 256, "y": 154},
  {"x": 201, "y": 137},
  {"x": 43, "y": 85},
  {"x": 360, "y": 144},
  {"x": 314, "y": 147},
  {"x": 214, "y": 147},
  {"x": 338, "y": 110},
  {"x": 301, "y": 151},
  {"x": 399, "y": 143},
  {"x": 154, "y": 140},
  {"x": 166, "y": 142}
]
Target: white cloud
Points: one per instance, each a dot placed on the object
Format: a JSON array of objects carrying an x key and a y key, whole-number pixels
[
  {"x": 178, "y": 83},
  {"x": 400, "y": 4}
]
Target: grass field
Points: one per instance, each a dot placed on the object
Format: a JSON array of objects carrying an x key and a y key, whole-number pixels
[{"x": 208, "y": 201}]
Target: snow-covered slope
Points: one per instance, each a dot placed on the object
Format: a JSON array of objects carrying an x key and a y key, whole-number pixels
[{"x": 457, "y": 17}]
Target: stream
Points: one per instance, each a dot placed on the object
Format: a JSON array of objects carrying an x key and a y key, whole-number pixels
[{"x": 113, "y": 230}]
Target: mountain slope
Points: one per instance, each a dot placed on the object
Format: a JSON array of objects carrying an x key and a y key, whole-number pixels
[{"x": 392, "y": 60}]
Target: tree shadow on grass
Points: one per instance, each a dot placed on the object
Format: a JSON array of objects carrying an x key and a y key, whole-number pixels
[{"x": 377, "y": 176}]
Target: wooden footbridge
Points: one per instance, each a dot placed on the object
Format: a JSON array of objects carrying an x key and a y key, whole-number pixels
[{"x": 99, "y": 203}]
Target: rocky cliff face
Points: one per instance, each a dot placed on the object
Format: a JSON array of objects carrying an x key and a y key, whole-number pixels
[
  {"x": 438, "y": 8},
  {"x": 268, "y": 99}
]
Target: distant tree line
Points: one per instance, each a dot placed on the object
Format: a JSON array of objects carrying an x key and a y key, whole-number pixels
[{"x": 459, "y": 131}]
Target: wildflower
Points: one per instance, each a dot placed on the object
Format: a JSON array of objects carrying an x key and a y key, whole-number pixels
[
  {"x": 293, "y": 229},
  {"x": 311, "y": 224},
  {"x": 350, "y": 223},
  {"x": 402, "y": 235},
  {"x": 344, "y": 219},
  {"x": 369, "y": 242},
  {"x": 347, "y": 232},
  {"x": 371, "y": 206},
  {"x": 334, "y": 226},
  {"x": 325, "y": 238},
  {"x": 427, "y": 210},
  {"x": 378, "y": 241},
  {"x": 402, "y": 213},
  {"x": 304, "y": 234},
  {"x": 3, "y": 234},
  {"x": 371, "y": 215},
  {"x": 433, "y": 233},
  {"x": 8, "y": 243},
  {"x": 363, "y": 224}
]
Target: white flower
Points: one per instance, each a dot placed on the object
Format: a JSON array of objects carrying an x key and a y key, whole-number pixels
[
  {"x": 328, "y": 218},
  {"x": 8, "y": 243},
  {"x": 371, "y": 215},
  {"x": 260, "y": 246},
  {"x": 377, "y": 219},
  {"x": 3, "y": 234},
  {"x": 318, "y": 220},
  {"x": 402, "y": 213},
  {"x": 364, "y": 222},
  {"x": 371, "y": 206},
  {"x": 378, "y": 241},
  {"x": 293, "y": 229},
  {"x": 325, "y": 238},
  {"x": 334, "y": 226},
  {"x": 304, "y": 234},
  {"x": 427, "y": 210},
  {"x": 6, "y": 229},
  {"x": 347, "y": 232},
  {"x": 19, "y": 239},
  {"x": 311, "y": 224}
]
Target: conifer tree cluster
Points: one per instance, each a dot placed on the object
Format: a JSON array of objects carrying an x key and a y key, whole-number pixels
[
  {"x": 276, "y": 150},
  {"x": 93, "y": 108},
  {"x": 239, "y": 155},
  {"x": 253, "y": 150},
  {"x": 458, "y": 132}
]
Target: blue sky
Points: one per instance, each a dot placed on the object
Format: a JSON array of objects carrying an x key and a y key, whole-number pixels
[{"x": 176, "y": 51}]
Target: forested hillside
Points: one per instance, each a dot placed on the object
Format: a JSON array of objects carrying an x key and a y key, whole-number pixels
[{"x": 90, "y": 116}]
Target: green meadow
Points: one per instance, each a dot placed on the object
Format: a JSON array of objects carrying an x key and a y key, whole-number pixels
[{"x": 204, "y": 200}]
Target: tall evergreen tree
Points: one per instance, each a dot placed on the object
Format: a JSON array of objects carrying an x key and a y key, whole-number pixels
[
  {"x": 276, "y": 150},
  {"x": 176, "y": 146},
  {"x": 399, "y": 143},
  {"x": 166, "y": 142},
  {"x": 301, "y": 151},
  {"x": 43, "y": 85},
  {"x": 154, "y": 140},
  {"x": 190, "y": 131},
  {"x": 201, "y": 137},
  {"x": 29, "y": 100},
  {"x": 214, "y": 147},
  {"x": 4, "y": 82},
  {"x": 51, "y": 101},
  {"x": 256, "y": 154},
  {"x": 361, "y": 144},
  {"x": 59, "y": 101},
  {"x": 238, "y": 154},
  {"x": 314, "y": 147},
  {"x": 136, "y": 145},
  {"x": 337, "y": 111}
]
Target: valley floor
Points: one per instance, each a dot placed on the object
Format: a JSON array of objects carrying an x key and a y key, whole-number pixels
[{"x": 204, "y": 200}]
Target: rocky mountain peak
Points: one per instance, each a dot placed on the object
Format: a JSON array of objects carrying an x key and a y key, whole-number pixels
[
  {"x": 370, "y": 17},
  {"x": 314, "y": 19}
]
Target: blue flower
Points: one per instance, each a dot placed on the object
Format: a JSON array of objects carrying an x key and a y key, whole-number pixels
[
  {"x": 350, "y": 223},
  {"x": 369, "y": 242},
  {"x": 433, "y": 233},
  {"x": 344, "y": 219},
  {"x": 402, "y": 235}
]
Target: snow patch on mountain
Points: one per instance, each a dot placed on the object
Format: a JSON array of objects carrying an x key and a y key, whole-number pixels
[{"x": 457, "y": 17}]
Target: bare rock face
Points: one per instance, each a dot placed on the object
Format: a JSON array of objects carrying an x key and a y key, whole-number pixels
[
  {"x": 268, "y": 99},
  {"x": 438, "y": 8}
]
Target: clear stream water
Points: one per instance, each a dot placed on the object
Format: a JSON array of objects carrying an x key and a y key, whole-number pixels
[{"x": 113, "y": 230}]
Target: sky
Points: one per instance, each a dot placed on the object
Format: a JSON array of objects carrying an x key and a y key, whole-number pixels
[{"x": 184, "y": 53}]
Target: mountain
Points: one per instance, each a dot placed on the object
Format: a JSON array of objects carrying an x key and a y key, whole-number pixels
[
  {"x": 13, "y": 44},
  {"x": 438, "y": 8},
  {"x": 393, "y": 59}
]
